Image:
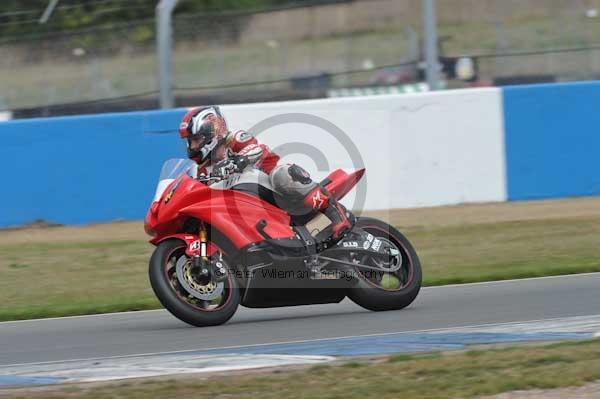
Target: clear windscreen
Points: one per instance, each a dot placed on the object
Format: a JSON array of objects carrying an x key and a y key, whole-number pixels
[{"x": 172, "y": 169}]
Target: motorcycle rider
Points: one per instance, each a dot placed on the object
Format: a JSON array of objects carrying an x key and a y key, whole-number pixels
[{"x": 218, "y": 152}]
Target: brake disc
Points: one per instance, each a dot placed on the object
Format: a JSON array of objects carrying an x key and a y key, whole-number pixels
[{"x": 204, "y": 291}]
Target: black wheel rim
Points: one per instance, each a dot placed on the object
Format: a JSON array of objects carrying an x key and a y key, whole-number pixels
[
  {"x": 170, "y": 274},
  {"x": 404, "y": 274}
]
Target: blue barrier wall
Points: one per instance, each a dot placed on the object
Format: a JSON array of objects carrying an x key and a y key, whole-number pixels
[
  {"x": 98, "y": 168},
  {"x": 552, "y": 135},
  {"x": 84, "y": 169}
]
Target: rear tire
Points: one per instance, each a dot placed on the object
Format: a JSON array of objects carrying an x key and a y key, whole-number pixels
[
  {"x": 367, "y": 293},
  {"x": 174, "y": 303}
]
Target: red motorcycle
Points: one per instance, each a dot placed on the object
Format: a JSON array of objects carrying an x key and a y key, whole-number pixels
[{"x": 222, "y": 241}]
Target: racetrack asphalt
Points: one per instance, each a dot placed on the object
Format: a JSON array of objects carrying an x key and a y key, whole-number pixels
[{"x": 136, "y": 333}]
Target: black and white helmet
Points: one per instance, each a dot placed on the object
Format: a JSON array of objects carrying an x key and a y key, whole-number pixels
[{"x": 206, "y": 123}]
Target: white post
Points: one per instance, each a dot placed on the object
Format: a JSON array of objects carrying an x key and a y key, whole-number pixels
[
  {"x": 48, "y": 11},
  {"x": 430, "y": 44},
  {"x": 164, "y": 42}
]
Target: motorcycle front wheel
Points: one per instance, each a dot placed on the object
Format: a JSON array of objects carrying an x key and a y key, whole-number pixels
[
  {"x": 195, "y": 301},
  {"x": 391, "y": 290}
]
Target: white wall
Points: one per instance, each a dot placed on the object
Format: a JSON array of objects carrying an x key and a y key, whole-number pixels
[
  {"x": 5, "y": 116},
  {"x": 424, "y": 149}
]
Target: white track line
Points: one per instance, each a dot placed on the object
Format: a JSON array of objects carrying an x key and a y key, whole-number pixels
[
  {"x": 437, "y": 287},
  {"x": 515, "y": 280},
  {"x": 84, "y": 316},
  {"x": 295, "y": 341}
]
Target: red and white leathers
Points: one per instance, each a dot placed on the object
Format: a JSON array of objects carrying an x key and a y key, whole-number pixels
[
  {"x": 243, "y": 144},
  {"x": 210, "y": 143}
]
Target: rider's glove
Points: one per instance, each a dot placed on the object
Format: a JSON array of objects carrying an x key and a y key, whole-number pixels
[
  {"x": 241, "y": 162},
  {"x": 223, "y": 169}
]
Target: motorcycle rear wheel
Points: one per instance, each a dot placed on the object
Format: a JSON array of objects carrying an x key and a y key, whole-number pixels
[
  {"x": 186, "y": 308},
  {"x": 369, "y": 291}
]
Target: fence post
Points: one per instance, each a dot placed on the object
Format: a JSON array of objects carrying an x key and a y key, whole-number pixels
[
  {"x": 164, "y": 42},
  {"x": 430, "y": 44}
]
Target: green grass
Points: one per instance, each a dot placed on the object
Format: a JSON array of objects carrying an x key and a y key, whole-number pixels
[
  {"x": 45, "y": 279},
  {"x": 506, "y": 250},
  {"x": 55, "y": 279},
  {"x": 464, "y": 374}
]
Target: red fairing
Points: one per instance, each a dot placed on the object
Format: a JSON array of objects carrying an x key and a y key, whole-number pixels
[
  {"x": 235, "y": 214},
  {"x": 191, "y": 242},
  {"x": 342, "y": 182}
]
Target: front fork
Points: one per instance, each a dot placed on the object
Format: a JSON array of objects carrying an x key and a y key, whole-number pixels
[{"x": 205, "y": 266}]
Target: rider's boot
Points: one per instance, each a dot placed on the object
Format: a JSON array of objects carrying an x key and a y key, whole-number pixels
[{"x": 336, "y": 212}]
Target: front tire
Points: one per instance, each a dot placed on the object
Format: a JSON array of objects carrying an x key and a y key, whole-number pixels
[
  {"x": 175, "y": 300},
  {"x": 369, "y": 292}
]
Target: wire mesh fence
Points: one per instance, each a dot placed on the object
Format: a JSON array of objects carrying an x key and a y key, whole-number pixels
[{"x": 301, "y": 52}]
